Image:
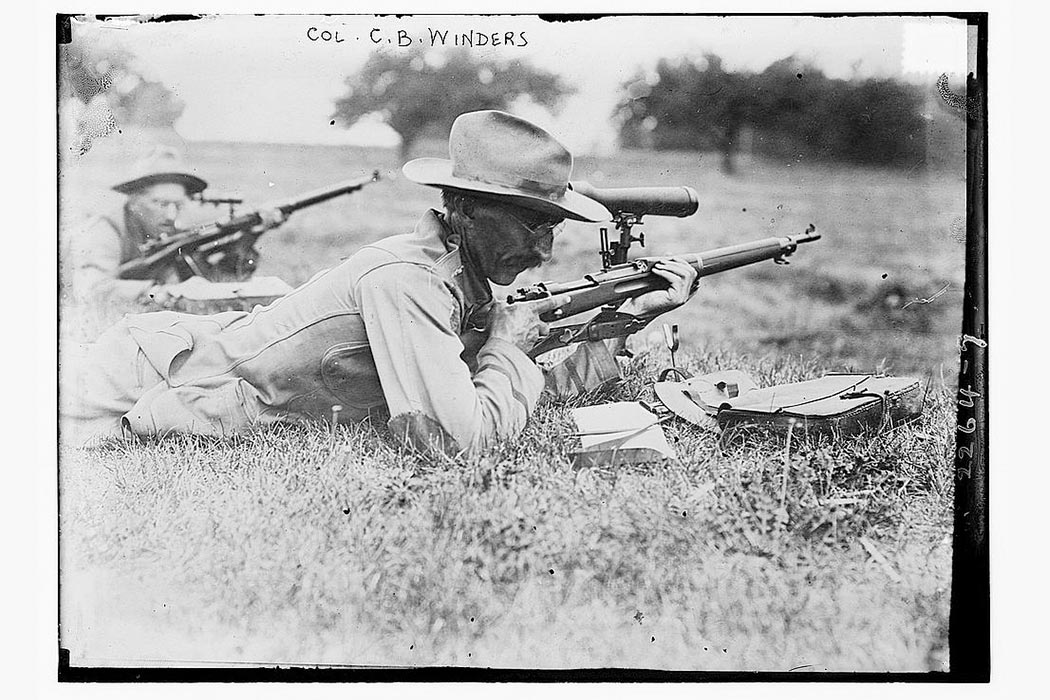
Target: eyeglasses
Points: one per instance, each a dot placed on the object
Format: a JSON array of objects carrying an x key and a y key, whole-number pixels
[
  {"x": 541, "y": 229},
  {"x": 161, "y": 203}
]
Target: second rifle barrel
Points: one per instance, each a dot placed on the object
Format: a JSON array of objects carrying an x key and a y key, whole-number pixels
[{"x": 325, "y": 193}]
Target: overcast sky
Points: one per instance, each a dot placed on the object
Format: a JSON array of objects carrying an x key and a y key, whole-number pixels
[{"x": 264, "y": 78}]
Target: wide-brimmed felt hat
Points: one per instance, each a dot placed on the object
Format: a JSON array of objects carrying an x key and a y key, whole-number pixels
[
  {"x": 162, "y": 164},
  {"x": 501, "y": 155}
]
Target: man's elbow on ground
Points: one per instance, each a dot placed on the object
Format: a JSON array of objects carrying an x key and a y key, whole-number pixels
[{"x": 424, "y": 435}]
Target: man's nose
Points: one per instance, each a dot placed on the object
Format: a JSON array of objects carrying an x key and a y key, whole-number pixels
[{"x": 171, "y": 212}]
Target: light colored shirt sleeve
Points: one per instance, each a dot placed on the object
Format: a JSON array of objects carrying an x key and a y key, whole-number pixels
[
  {"x": 589, "y": 366},
  {"x": 411, "y": 318},
  {"x": 94, "y": 252}
]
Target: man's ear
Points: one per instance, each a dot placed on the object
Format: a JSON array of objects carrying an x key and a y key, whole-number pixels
[
  {"x": 466, "y": 206},
  {"x": 134, "y": 199}
]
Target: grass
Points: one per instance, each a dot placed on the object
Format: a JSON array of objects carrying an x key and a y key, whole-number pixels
[
  {"x": 308, "y": 545},
  {"x": 312, "y": 545}
]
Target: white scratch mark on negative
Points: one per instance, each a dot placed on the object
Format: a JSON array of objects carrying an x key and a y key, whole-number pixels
[{"x": 938, "y": 293}]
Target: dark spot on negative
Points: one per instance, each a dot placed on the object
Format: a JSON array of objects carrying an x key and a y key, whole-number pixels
[
  {"x": 652, "y": 640},
  {"x": 885, "y": 275},
  {"x": 969, "y": 103},
  {"x": 798, "y": 75},
  {"x": 552, "y": 572}
]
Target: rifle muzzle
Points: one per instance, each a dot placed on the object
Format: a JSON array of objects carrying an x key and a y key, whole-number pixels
[
  {"x": 659, "y": 201},
  {"x": 808, "y": 236}
]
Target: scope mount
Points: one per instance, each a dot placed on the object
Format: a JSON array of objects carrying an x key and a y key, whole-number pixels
[
  {"x": 217, "y": 200},
  {"x": 615, "y": 253}
]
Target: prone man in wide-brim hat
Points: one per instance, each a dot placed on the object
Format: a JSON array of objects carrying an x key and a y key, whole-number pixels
[
  {"x": 406, "y": 328},
  {"x": 158, "y": 187}
]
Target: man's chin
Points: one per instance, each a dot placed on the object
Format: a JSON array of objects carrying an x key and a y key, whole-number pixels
[{"x": 507, "y": 275}]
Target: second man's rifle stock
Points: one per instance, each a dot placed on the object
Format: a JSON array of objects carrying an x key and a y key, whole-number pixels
[
  {"x": 188, "y": 252},
  {"x": 621, "y": 279}
]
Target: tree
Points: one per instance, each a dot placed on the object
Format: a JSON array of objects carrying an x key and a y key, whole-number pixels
[
  {"x": 792, "y": 108},
  {"x": 691, "y": 107},
  {"x": 415, "y": 91},
  {"x": 149, "y": 103},
  {"x": 875, "y": 120}
]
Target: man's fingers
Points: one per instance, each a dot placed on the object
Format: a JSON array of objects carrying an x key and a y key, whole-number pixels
[
  {"x": 551, "y": 303},
  {"x": 679, "y": 266},
  {"x": 672, "y": 275},
  {"x": 676, "y": 271}
]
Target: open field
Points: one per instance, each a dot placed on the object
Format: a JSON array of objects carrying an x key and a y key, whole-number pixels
[
  {"x": 889, "y": 238},
  {"x": 310, "y": 545}
]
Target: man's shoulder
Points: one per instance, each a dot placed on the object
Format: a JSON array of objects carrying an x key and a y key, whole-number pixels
[
  {"x": 420, "y": 260},
  {"x": 421, "y": 251},
  {"x": 111, "y": 212},
  {"x": 101, "y": 222},
  {"x": 97, "y": 231}
]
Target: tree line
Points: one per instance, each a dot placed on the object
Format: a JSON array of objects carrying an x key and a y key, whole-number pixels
[{"x": 789, "y": 111}]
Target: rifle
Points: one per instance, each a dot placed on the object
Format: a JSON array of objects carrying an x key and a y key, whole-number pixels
[
  {"x": 192, "y": 252},
  {"x": 621, "y": 279}
]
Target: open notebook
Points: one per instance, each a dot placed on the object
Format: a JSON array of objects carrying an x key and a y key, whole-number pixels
[{"x": 619, "y": 433}]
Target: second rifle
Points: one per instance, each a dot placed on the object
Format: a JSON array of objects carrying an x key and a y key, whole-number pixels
[{"x": 188, "y": 252}]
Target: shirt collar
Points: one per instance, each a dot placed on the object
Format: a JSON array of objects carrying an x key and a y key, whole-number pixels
[{"x": 475, "y": 286}]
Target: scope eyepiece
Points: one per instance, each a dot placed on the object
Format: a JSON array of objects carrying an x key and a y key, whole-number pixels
[{"x": 680, "y": 201}]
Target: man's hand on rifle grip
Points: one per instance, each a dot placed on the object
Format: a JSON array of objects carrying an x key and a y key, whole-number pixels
[
  {"x": 270, "y": 218},
  {"x": 520, "y": 323}
]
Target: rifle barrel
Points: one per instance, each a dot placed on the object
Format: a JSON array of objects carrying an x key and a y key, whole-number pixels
[
  {"x": 632, "y": 279},
  {"x": 323, "y": 194},
  {"x": 712, "y": 262}
]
